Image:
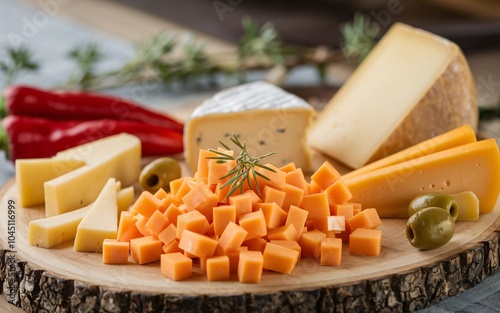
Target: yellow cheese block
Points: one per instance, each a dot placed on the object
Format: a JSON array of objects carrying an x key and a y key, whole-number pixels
[
  {"x": 451, "y": 139},
  {"x": 52, "y": 231},
  {"x": 32, "y": 173},
  {"x": 472, "y": 167},
  {"x": 116, "y": 156},
  {"x": 412, "y": 86},
  {"x": 100, "y": 222}
]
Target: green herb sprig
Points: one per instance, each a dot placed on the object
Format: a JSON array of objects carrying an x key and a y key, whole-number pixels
[
  {"x": 359, "y": 38},
  {"x": 244, "y": 169},
  {"x": 20, "y": 60}
]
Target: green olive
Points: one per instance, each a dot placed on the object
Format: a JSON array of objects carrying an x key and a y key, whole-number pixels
[
  {"x": 430, "y": 228},
  {"x": 434, "y": 199},
  {"x": 159, "y": 173}
]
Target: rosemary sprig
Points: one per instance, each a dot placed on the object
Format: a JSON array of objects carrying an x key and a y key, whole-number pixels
[
  {"x": 359, "y": 37},
  {"x": 20, "y": 60},
  {"x": 244, "y": 170},
  {"x": 86, "y": 58}
]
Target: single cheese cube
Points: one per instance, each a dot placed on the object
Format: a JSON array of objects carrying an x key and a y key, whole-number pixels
[
  {"x": 263, "y": 123},
  {"x": 30, "y": 187},
  {"x": 297, "y": 217},
  {"x": 201, "y": 199},
  {"x": 216, "y": 171},
  {"x": 468, "y": 206},
  {"x": 100, "y": 222},
  {"x": 160, "y": 193},
  {"x": 186, "y": 186},
  {"x": 157, "y": 223},
  {"x": 126, "y": 228},
  {"x": 255, "y": 199},
  {"x": 316, "y": 205},
  {"x": 145, "y": 249},
  {"x": 346, "y": 210},
  {"x": 293, "y": 196},
  {"x": 349, "y": 129},
  {"x": 197, "y": 244},
  {"x": 254, "y": 223},
  {"x": 146, "y": 204},
  {"x": 176, "y": 266},
  {"x": 140, "y": 224},
  {"x": 338, "y": 192},
  {"x": 242, "y": 203},
  {"x": 279, "y": 258},
  {"x": 296, "y": 178},
  {"x": 250, "y": 267},
  {"x": 290, "y": 244},
  {"x": 368, "y": 218},
  {"x": 168, "y": 235},
  {"x": 203, "y": 162},
  {"x": 288, "y": 167},
  {"x": 194, "y": 221},
  {"x": 175, "y": 185},
  {"x": 364, "y": 241},
  {"x": 117, "y": 156},
  {"x": 115, "y": 252},
  {"x": 172, "y": 212},
  {"x": 274, "y": 215},
  {"x": 232, "y": 237},
  {"x": 311, "y": 243},
  {"x": 285, "y": 232},
  {"x": 223, "y": 214},
  {"x": 256, "y": 244},
  {"x": 331, "y": 251},
  {"x": 325, "y": 175},
  {"x": 218, "y": 268},
  {"x": 271, "y": 195},
  {"x": 276, "y": 178}
]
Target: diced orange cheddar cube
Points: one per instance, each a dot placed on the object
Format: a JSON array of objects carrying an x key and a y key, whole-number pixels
[
  {"x": 256, "y": 244},
  {"x": 157, "y": 223},
  {"x": 193, "y": 221},
  {"x": 145, "y": 249},
  {"x": 254, "y": 223},
  {"x": 172, "y": 247},
  {"x": 325, "y": 175},
  {"x": 232, "y": 237},
  {"x": 288, "y": 167},
  {"x": 115, "y": 252},
  {"x": 275, "y": 179},
  {"x": 172, "y": 212},
  {"x": 217, "y": 172},
  {"x": 338, "y": 192},
  {"x": 296, "y": 178},
  {"x": 364, "y": 241},
  {"x": 126, "y": 227},
  {"x": 197, "y": 244},
  {"x": 175, "y": 185},
  {"x": 274, "y": 215},
  {"x": 140, "y": 224},
  {"x": 250, "y": 267},
  {"x": 234, "y": 258},
  {"x": 336, "y": 223},
  {"x": 146, "y": 204},
  {"x": 218, "y": 268},
  {"x": 345, "y": 209},
  {"x": 186, "y": 186},
  {"x": 320, "y": 224},
  {"x": 279, "y": 258},
  {"x": 368, "y": 218},
  {"x": 202, "y": 199},
  {"x": 167, "y": 201},
  {"x": 255, "y": 199},
  {"x": 270, "y": 195},
  {"x": 285, "y": 232},
  {"x": 311, "y": 243},
  {"x": 297, "y": 217},
  {"x": 331, "y": 251},
  {"x": 203, "y": 162},
  {"x": 313, "y": 188},
  {"x": 293, "y": 196},
  {"x": 290, "y": 244},
  {"x": 176, "y": 266},
  {"x": 316, "y": 205},
  {"x": 160, "y": 194},
  {"x": 223, "y": 214},
  {"x": 168, "y": 235},
  {"x": 242, "y": 203}
]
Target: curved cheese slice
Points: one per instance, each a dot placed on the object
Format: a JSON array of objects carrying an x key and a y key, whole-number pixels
[
  {"x": 472, "y": 167},
  {"x": 262, "y": 115},
  {"x": 413, "y": 86}
]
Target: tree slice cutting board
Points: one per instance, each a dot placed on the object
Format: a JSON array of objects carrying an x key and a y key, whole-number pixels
[{"x": 402, "y": 278}]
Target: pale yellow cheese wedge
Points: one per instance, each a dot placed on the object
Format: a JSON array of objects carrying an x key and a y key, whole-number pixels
[
  {"x": 474, "y": 167},
  {"x": 100, "y": 222},
  {"x": 468, "y": 206}
]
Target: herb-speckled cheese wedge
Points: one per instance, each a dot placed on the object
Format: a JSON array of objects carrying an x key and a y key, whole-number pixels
[{"x": 264, "y": 116}]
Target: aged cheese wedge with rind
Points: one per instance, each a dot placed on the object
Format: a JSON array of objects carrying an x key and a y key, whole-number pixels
[
  {"x": 472, "y": 167},
  {"x": 100, "y": 222},
  {"x": 451, "y": 139},
  {"x": 413, "y": 86},
  {"x": 31, "y": 174},
  {"x": 117, "y": 156},
  {"x": 263, "y": 115}
]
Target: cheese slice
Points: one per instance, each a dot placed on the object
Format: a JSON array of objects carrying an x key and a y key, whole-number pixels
[
  {"x": 472, "y": 167},
  {"x": 451, "y": 139},
  {"x": 52, "y": 231},
  {"x": 100, "y": 222},
  {"x": 262, "y": 115},
  {"x": 32, "y": 173},
  {"x": 412, "y": 86},
  {"x": 116, "y": 156}
]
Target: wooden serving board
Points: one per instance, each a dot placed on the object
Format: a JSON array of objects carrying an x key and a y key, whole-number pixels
[{"x": 402, "y": 278}]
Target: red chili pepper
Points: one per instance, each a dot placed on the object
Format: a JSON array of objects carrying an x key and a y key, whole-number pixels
[
  {"x": 32, "y": 137},
  {"x": 72, "y": 105}
]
